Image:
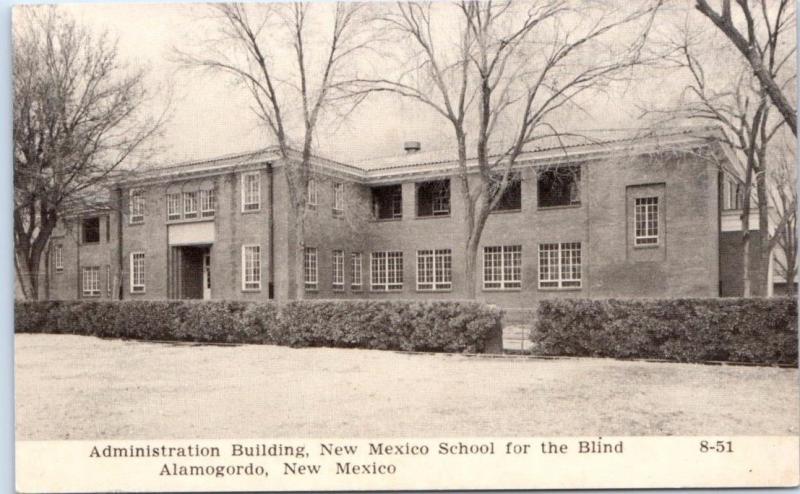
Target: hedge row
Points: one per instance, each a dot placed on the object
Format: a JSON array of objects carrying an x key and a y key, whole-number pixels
[
  {"x": 390, "y": 325},
  {"x": 753, "y": 330}
]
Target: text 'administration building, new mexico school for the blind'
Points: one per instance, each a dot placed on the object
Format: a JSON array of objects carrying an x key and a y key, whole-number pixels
[{"x": 655, "y": 216}]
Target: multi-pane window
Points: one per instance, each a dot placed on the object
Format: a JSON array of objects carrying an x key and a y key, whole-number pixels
[
  {"x": 645, "y": 218},
  {"x": 174, "y": 206},
  {"x": 190, "y": 204},
  {"x": 310, "y": 268},
  {"x": 433, "y": 198},
  {"x": 251, "y": 267},
  {"x": 137, "y": 272},
  {"x": 386, "y": 270},
  {"x": 355, "y": 268},
  {"x": 560, "y": 265},
  {"x": 91, "y": 281},
  {"x": 434, "y": 269},
  {"x": 251, "y": 191},
  {"x": 559, "y": 186},
  {"x": 511, "y": 200},
  {"x": 58, "y": 257},
  {"x": 387, "y": 202},
  {"x": 338, "y": 270},
  {"x": 136, "y": 206},
  {"x": 208, "y": 203},
  {"x": 338, "y": 199},
  {"x": 502, "y": 267},
  {"x": 90, "y": 230},
  {"x": 732, "y": 194},
  {"x": 313, "y": 195}
]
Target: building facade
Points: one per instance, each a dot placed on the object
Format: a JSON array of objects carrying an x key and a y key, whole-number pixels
[{"x": 644, "y": 217}]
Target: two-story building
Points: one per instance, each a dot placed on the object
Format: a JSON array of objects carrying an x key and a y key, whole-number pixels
[{"x": 653, "y": 216}]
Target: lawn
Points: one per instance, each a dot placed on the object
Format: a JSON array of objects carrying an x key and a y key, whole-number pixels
[{"x": 76, "y": 387}]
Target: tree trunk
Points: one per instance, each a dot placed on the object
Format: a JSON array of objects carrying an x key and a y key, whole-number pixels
[
  {"x": 28, "y": 275},
  {"x": 763, "y": 227},
  {"x": 471, "y": 267},
  {"x": 299, "y": 258}
]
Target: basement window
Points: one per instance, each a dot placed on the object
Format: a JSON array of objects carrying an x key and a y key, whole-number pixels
[
  {"x": 387, "y": 202},
  {"x": 559, "y": 186},
  {"x": 90, "y": 230},
  {"x": 433, "y": 198}
]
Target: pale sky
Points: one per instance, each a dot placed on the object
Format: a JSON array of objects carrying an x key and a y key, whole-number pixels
[{"x": 212, "y": 117}]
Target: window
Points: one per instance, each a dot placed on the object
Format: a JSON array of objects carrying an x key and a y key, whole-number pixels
[
  {"x": 136, "y": 207},
  {"x": 434, "y": 269},
  {"x": 313, "y": 195},
  {"x": 387, "y": 202},
  {"x": 560, "y": 265},
  {"x": 386, "y": 271},
  {"x": 251, "y": 191},
  {"x": 91, "y": 281},
  {"x": 208, "y": 203},
  {"x": 502, "y": 267},
  {"x": 108, "y": 280},
  {"x": 173, "y": 206},
  {"x": 645, "y": 218},
  {"x": 190, "y": 204},
  {"x": 58, "y": 257},
  {"x": 355, "y": 268},
  {"x": 310, "y": 272},
  {"x": 338, "y": 199},
  {"x": 559, "y": 186},
  {"x": 338, "y": 270},
  {"x": 433, "y": 198},
  {"x": 511, "y": 199},
  {"x": 732, "y": 194},
  {"x": 137, "y": 272},
  {"x": 251, "y": 267},
  {"x": 90, "y": 230}
]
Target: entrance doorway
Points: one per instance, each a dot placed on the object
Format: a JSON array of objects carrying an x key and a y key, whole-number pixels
[
  {"x": 190, "y": 272},
  {"x": 207, "y": 276}
]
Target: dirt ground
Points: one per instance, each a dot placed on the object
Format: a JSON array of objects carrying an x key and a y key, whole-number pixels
[{"x": 74, "y": 387}]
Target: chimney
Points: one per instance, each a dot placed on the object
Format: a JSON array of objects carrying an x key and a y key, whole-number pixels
[{"x": 412, "y": 147}]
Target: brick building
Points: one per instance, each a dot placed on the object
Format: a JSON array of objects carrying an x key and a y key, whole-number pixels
[{"x": 638, "y": 217}]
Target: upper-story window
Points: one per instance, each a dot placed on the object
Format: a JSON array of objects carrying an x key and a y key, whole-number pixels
[
  {"x": 190, "y": 204},
  {"x": 338, "y": 199},
  {"x": 313, "y": 196},
  {"x": 207, "y": 203},
  {"x": 511, "y": 200},
  {"x": 90, "y": 230},
  {"x": 136, "y": 206},
  {"x": 251, "y": 191},
  {"x": 559, "y": 186},
  {"x": 645, "y": 219},
  {"x": 433, "y": 198},
  {"x": 58, "y": 257},
  {"x": 732, "y": 194},
  {"x": 174, "y": 206},
  {"x": 387, "y": 202}
]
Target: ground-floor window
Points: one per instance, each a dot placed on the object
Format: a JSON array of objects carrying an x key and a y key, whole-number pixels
[
  {"x": 338, "y": 270},
  {"x": 434, "y": 269},
  {"x": 646, "y": 220},
  {"x": 91, "y": 281},
  {"x": 310, "y": 277},
  {"x": 355, "y": 268},
  {"x": 386, "y": 270},
  {"x": 137, "y": 272},
  {"x": 560, "y": 265},
  {"x": 58, "y": 257},
  {"x": 251, "y": 267},
  {"x": 502, "y": 267}
]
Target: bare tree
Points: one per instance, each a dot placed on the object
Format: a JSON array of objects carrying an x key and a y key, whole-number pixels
[
  {"x": 783, "y": 193},
  {"x": 79, "y": 115},
  {"x": 768, "y": 25},
  {"x": 741, "y": 106},
  {"x": 290, "y": 88},
  {"x": 502, "y": 81}
]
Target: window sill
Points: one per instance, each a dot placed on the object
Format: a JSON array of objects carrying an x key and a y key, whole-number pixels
[
  {"x": 138, "y": 293},
  {"x": 647, "y": 246},
  {"x": 505, "y": 211},
  {"x": 251, "y": 211},
  {"x": 562, "y": 289},
  {"x": 386, "y": 220},
  {"x": 502, "y": 289},
  {"x": 251, "y": 290},
  {"x": 434, "y": 290},
  {"x": 311, "y": 290},
  {"x": 393, "y": 290},
  {"x": 188, "y": 220},
  {"x": 90, "y": 296},
  {"x": 432, "y": 217},
  {"x": 566, "y": 206}
]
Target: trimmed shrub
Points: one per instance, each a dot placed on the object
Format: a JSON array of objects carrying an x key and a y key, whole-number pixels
[
  {"x": 751, "y": 330},
  {"x": 387, "y": 325}
]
